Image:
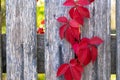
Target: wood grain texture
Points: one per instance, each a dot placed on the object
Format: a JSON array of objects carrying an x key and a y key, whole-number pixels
[
  {"x": 41, "y": 49},
  {"x": 21, "y": 40},
  {"x": 99, "y": 25},
  {"x": 56, "y": 51},
  {"x": 0, "y": 43},
  {"x": 118, "y": 37}
]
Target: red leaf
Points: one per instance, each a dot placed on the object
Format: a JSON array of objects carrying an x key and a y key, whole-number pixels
[
  {"x": 71, "y": 12},
  {"x": 76, "y": 48},
  {"x": 79, "y": 19},
  {"x": 88, "y": 58},
  {"x": 62, "y": 69},
  {"x": 40, "y": 31},
  {"x": 84, "y": 43},
  {"x": 91, "y": 1},
  {"x": 69, "y": 3},
  {"x": 73, "y": 62},
  {"x": 79, "y": 67},
  {"x": 76, "y": 33},
  {"x": 71, "y": 71},
  {"x": 62, "y": 19},
  {"x": 76, "y": 74},
  {"x": 74, "y": 23},
  {"x": 94, "y": 53},
  {"x": 62, "y": 31},
  {"x": 77, "y": 15},
  {"x": 84, "y": 11},
  {"x": 68, "y": 36},
  {"x": 68, "y": 75},
  {"x": 76, "y": 69},
  {"x": 96, "y": 41},
  {"x": 82, "y": 55}
]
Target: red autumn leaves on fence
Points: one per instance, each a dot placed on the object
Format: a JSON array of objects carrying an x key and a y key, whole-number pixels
[
  {"x": 69, "y": 30},
  {"x": 41, "y": 30},
  {"x": 72, "y": 70},
  {"x": 85, "y": 49}
]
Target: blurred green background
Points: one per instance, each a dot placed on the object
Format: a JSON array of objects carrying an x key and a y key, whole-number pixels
[
  {"x": 40, "y": 13},
  {"x": 3, "y": 9}
]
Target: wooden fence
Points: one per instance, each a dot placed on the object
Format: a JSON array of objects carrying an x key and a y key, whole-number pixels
[{"x": 21, "y": 40}]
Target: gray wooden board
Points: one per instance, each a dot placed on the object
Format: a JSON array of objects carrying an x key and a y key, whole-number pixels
[
  {"x": 56, "y": 51},
  {"x": 99, "y": 25},
  {"x": 118, "y": 37},
  {"x": 21, "y": 39},
  {"x": 40, "y": 53}
]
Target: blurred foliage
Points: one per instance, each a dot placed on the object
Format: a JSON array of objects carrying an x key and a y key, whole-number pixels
[
  {"x": 39, "y": 13},
  {"x": 41, "y": 76},
  {"x": 3, "y": 9},
  {"x": 113, "y": 16}
]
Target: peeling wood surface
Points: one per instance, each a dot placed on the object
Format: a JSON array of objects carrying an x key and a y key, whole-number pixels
[
  {"x": 56, "y": 51},
  {"x": 118, "y": 38},
  {"x": 21, "y": 39},
  {"x": 99, "y": 25}
]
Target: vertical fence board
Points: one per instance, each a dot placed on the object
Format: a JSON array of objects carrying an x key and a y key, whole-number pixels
[
  {"x": 56, "y": 51},
  {"x": 99, "y": 25},
  {"x": 0, "y": 43},
  {"x": 29, "y": 39},
  {"x": 118, "y": 37},
  {"x": 21, "y": 39}
]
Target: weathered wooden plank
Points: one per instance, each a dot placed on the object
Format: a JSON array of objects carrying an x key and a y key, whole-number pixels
[
  {"x": 0, "y": 44},
  {"x": 21, "y": 40},
  {"x": 40, "y": 53},
  {"x": 118, "y": 37},
  {"x": 56, "y": 51},
  {"x": 99, "y": 25}
]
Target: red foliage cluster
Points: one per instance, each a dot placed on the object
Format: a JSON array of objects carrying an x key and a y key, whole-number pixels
[
  {"x": 85, "y": 49},
  {"x": 40, "y": 31}
]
